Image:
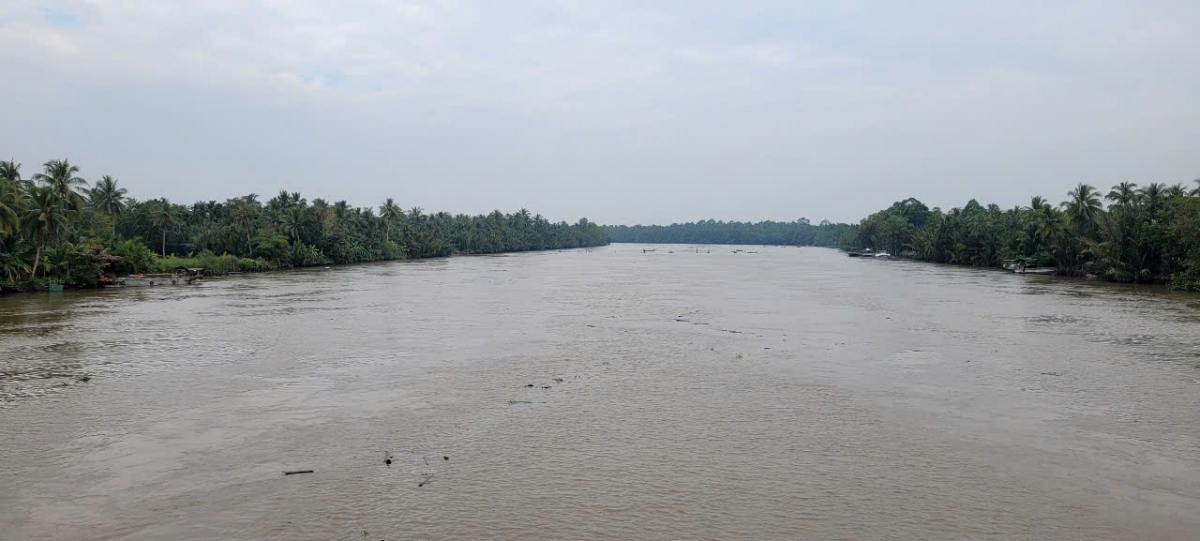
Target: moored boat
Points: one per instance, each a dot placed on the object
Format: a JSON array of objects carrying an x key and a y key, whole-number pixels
[
  {"x": 181, "y": 276},
  {"x": 1020, "y": 265}
]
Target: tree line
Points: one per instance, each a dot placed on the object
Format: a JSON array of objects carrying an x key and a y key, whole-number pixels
[
  {"x": 1145, "y": 234},
  {"x": 58, "y": 228},
  {"x": 798, "y": 233}
]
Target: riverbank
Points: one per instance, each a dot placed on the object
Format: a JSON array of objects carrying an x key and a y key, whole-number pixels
[
  {"x": 1064, "y": 274},
  {"x": 1145, "y": 235},
  {"x": 61, "y": 229},
  {"x": 227, "y": 265}
]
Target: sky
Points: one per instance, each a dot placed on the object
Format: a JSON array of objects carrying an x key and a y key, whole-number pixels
[{"x": 622, "y": 111}]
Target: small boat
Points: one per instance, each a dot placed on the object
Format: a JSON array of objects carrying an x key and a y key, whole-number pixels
[
  {"x": 1038, "y": 270},
  {"x": 1020, "y": 265},
  {"x": 181, "y": 276}
]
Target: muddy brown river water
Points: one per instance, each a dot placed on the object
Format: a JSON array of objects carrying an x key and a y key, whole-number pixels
[{"x": 784, "y": 394}]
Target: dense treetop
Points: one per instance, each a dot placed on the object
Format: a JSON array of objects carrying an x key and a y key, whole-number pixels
[
  {"x": 1145, "y": 233},
  {"x": 798, "y": 233},
  {"x": 56, "y": 227}
]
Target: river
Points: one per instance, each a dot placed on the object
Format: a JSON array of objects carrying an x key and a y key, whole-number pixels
[{"x": 685, "y": 393}]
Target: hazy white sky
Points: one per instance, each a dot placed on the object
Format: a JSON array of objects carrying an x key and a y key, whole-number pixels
[{"x": 620, "y": 111}]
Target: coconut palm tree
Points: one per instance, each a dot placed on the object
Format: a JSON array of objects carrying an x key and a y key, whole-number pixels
[
  {"x": 46, "y": 219},
  {"x": 391, "y": 214},
  {"x": 1122, "y": 195},
  {"x": 1176, "y": 191},
  {"x": 245, "y": 216},
  {"x": 10, "y": 208},
  {"x": 10, "y": 172},
  {"x": 106, "y": 198},
  {"x": 165, "y": 218},
  {"x": 1083, "y": 206},
  {"x": 1037, "y": 204},
  {"x": 291, "y": 222},
  {"x": 60, "y": 175},
  {"x": 1154, "y": 198}
]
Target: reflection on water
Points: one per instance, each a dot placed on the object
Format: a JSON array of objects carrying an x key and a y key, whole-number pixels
[{"x": 611, "y": 394}]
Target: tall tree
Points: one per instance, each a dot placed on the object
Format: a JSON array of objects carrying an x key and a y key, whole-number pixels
[
  {"x": 46, "y": 220},
  {"x": 245, "y": 217},
  {"x": 1083, "y": 206},
  {"x": 108, "y": 199},
  {"x": 165, "y": 219},
  {"x": 291, "y": 222},
  {"x": 10, "y": 171},
  {"x": 1123, "y": 194},
  {"x": 10, "y": 205},
  {"x": 1154, "y": 198},
  {"x": 391, "y": 214},
  {"x": 61, "y": 176}
]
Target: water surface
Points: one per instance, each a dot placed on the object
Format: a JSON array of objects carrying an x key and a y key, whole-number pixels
[{"x": 784, "y": 394}]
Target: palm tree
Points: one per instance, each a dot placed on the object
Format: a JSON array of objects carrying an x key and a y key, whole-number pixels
[
  {"x": 391, "y": 214},
  {"x": 1154, "y": 197},
  {"x": 47, "y": 218},
  {"x": 60, "y": 175},
  {"x": 108, "y": 199},
  {"x": 1176, "y": 191},
  {"x": 10, "y": 172},
  {"x": 1122, "y": 195},
  {"x": 1196, "y": 192},
  {"x": 1036, "y": 204},
  {"x": 1083, "y": 206},
  {"x": 165, "y": 218},
  {"x": 291, "y": 222},
  {"x": 10, "y": 207},
  {"x": 244, "y": 217}
]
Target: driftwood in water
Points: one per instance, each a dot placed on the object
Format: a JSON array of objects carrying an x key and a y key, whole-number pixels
[{"x": 294, "y": 472}]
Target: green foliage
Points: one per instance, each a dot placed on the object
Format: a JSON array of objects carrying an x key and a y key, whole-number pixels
[
  {"x": 212, "y": 263},
  {"x": 271, "y": 246},
  {"x": 1151, "y": 234},
  {"x": 137, "y": 256},
  {"x": 798, "y": 233},
  {"x": 53, "y": 229}
]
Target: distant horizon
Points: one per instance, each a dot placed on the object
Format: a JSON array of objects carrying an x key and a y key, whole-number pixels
[
  {"x": 28, "y": 172},
  {"x": 622, "y": 112}
]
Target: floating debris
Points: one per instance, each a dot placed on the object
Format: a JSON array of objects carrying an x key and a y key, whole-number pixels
[
  {"x": 558, "y": 380},
  {"x": 387, "y": 458},
  {"x": 294, "y": 472},
  {"x": 428, "y": 478},
  {"x": 1052, "y": 373}
]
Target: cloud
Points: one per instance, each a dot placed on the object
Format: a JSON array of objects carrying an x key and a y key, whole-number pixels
[
  {"x": 58, "y": 18},
  {"x": 774, "y": 93},
  {"x": 539, "y": 57}
]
